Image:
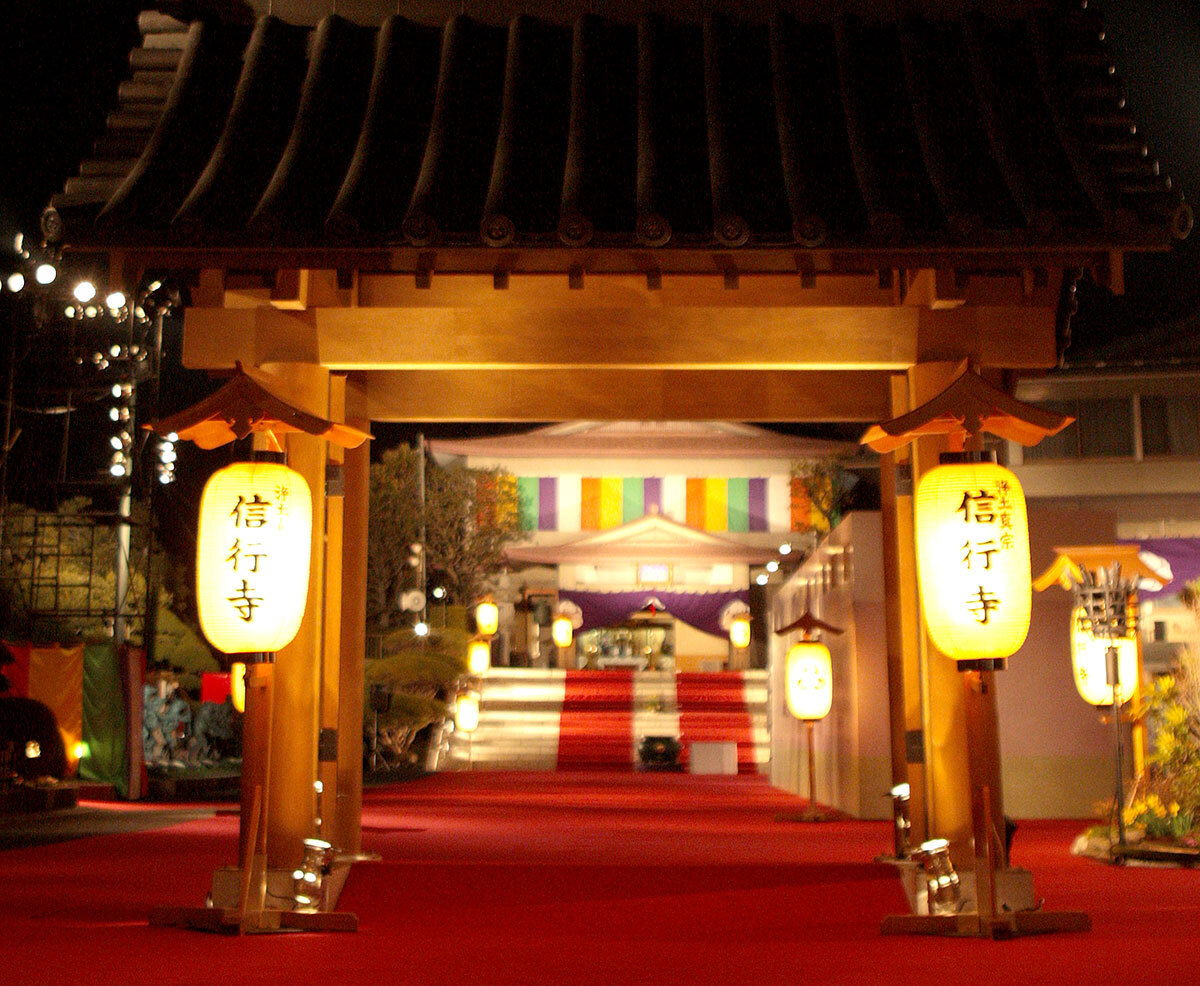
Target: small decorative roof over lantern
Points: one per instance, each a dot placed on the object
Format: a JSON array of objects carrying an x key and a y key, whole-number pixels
[
  {"x": 1070, "y": 563},
  {"x": 806, "y": 623},
  {"x": 969, "y": 406},
  {"x": 245, "y": 405}
]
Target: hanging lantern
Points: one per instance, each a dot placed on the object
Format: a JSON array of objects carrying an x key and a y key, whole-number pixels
[
  {"x": 479, "y": 656},
  {"x": 973, "y": 557},
  {"x": 562, "y": 632},
  {"x": 487, "y": 617},
  {"x": 466, "y": 716},
  {"x": 739, "y": 631},
  {"x": 253, "y": 556},
  {"x": 809, "y": 680},
  {"x": 1089, "y": 661},
  {"x": 237, "y": 685}
]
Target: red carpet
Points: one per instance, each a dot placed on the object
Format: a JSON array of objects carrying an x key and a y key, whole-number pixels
[
  {"x": 712, "y": 708},
  {"x": 577, "y": 878},
  {"x": 596, "y": 726}
]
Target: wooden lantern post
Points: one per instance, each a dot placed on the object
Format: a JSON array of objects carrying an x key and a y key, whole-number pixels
[{"x": 973, "y": 570}]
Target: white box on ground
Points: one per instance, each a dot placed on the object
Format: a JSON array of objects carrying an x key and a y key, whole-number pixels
[{"x": 713, "y": 758}]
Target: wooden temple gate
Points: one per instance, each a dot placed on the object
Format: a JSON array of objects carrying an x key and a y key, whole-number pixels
[{"x": 664, "y": 219}]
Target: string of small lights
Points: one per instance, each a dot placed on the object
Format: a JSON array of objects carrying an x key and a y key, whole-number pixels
[{"x": 110, "y": 335}]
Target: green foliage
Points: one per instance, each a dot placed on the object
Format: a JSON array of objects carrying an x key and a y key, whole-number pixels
[
  {"x": 180, "y": 647},
  {"x": 1169, "y": 805},
  {"x": 411, "y": 711},
  {"x": 826, "y": 487},
  {"x": 64, "y": 562},
  {"x": 435, "y": 664},
  {"x": 471, "y": 515}
]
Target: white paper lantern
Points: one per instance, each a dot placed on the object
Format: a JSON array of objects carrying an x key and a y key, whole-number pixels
[{"x": 252, "y": 560}]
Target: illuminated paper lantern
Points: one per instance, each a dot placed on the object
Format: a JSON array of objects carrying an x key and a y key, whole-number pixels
[
  {"x": 487, "y": 617},
  {"x": 809, "y": 680},
  {"x": 237, "y": 685},
  {"x": 973, "y": 558},
  {"x": 253, "y": 556},
  {"x": 739, "y": 631},
  {"x": 479, "y": 656},
  {"x": 562, "y": 632},
  {"x": 466, "y": 716},
  {"x": 1089, "y": 661}
]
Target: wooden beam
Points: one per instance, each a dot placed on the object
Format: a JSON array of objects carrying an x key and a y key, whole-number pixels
[
  {"x": 483, "y": 338},
  {"x": 627, "y": 394}
]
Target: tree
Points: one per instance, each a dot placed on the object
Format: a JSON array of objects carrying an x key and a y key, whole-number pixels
[
  {"x": 471, "y": 515},
  {"x": 820, "y": 491}
]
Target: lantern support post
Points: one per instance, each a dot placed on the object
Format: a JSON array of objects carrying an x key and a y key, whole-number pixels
[
  {"x": 1114, "y": 679},
  {"x": 961, "y": 413}
]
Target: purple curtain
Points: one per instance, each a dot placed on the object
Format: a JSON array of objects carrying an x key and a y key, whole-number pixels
[
  {"x": 1182, "y": 554},
  {"x": 701, "y": 610}
]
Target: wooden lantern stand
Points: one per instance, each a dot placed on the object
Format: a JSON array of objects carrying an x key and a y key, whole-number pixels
[
  {"x": 961, "y": 413},
  {"x": 251, "y": 915},
  {"x": 983, "y": 752}
]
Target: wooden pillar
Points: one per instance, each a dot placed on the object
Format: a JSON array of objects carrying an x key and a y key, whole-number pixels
[
  {"x": 345, "y": 818},
  {"x": 903, "y": 625},
  {"x": 293, "y": 767},
  {"x": 947, "y": 782},
  {"x": 330, "y": 738}
]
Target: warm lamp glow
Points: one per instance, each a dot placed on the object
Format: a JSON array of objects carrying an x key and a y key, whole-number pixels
[
  {"x": 1089, "y": 661},
  {"x": 479, "y": 656},
  {"x": 739, "y": 631},
  {"x": 237, "y": 685},
  {"x": 973, "y": 559},
  {"x": 562, "y": 632},
  {"x": 466, "y": 717},
  {"x": 252, "y": 562},
  {"x": 487, "y": 617},
  {"x": 809, "y": 680}
]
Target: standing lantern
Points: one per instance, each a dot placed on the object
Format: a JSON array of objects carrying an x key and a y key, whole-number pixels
[
  {"x": 253, "y": 557},
  {"x": 809, "y": 698},
  {"x": 466, "y": 719},
  {"x": 973, "y": 557},
  {"x": 479, "y": 656},
  {"x": 1090, "y": 662},
  {"x": 972, "y": 548},
  {"x": 487, "y": 617},
  {"x": 739, "y": 631},
  {"x": 562, "y": 632}
]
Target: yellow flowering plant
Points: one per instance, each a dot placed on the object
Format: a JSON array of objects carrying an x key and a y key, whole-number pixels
[{"x": 1168, "y": 806}]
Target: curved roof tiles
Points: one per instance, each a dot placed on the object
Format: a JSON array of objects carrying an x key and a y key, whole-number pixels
[{"x": 960, "y": 134}]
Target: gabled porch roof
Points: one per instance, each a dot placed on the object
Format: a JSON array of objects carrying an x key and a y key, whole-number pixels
[{"x": 653, "y": 538}]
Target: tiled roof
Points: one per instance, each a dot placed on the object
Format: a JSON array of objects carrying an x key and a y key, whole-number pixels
[{"x": 983, "y": 133}]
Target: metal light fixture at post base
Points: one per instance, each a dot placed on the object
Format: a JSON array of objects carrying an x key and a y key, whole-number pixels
[
  {"x": 942, "y": 890},
  {"x": 309, "y": 877},
  {"x": 901, "y": 823}
]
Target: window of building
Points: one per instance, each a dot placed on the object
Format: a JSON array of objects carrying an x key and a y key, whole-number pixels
[
  {"x": 1170, "y": 425},
  {"x": 1103, "y": 428}
]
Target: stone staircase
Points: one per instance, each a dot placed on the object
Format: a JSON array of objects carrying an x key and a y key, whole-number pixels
[{"x": 522, "y": 724}]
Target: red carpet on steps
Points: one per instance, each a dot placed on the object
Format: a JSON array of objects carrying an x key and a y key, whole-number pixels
[
  {"x": 596, "y": 725},
  {"x": 576, "y": 878},
  {"x": 712, "y": 708}
]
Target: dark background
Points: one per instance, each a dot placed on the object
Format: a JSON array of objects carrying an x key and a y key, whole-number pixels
[{"x": 61, "y": 63}]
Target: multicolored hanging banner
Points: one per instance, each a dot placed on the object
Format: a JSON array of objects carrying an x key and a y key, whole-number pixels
[{"x": 714, "y": 503}]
